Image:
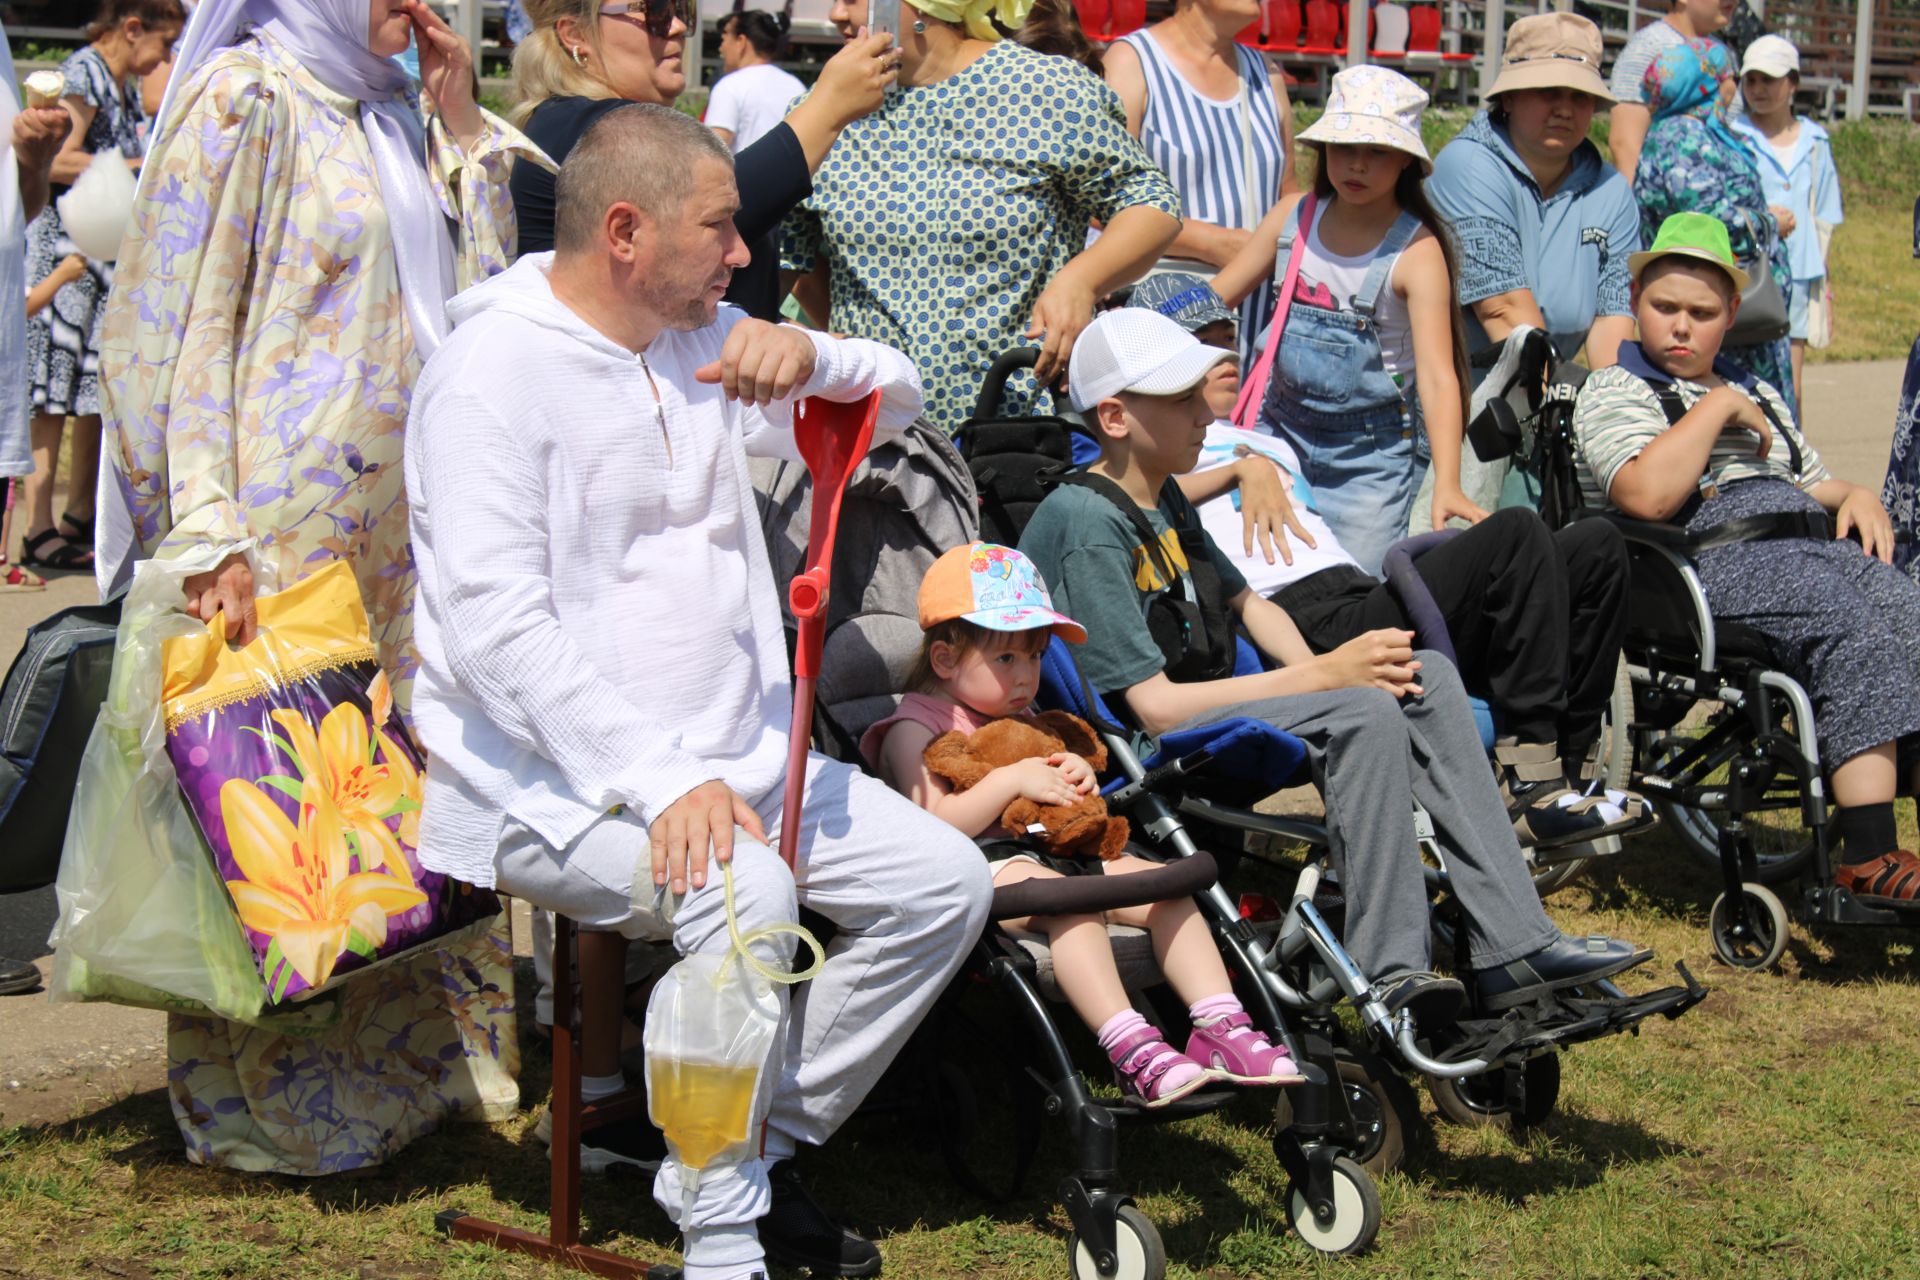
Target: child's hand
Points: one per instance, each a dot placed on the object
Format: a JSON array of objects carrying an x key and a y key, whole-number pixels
[
  {"x": 1380, "y": 659},
  {"x": 71, "y": 268},
  {"x": 1040, "y": 781},
  {"x": 1076, "y": 771}
]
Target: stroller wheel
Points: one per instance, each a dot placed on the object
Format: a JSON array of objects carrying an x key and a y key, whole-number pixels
[
  {"x": 1759, "y": 939},
  {"x": 1383, "y": 1106},
  {"x": 1354, "y": 1221},
  {"x": 1483, "y": 1102},
  {"x": 1139, "y": 1255}
]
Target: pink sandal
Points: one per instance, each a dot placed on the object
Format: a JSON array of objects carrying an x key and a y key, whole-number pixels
[
  {"x": 1233, "y": 1049},
  {"x": 1152, "y": 1073}
]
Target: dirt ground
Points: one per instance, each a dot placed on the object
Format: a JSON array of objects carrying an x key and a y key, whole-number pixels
[{"x": 60, "y": 1061}]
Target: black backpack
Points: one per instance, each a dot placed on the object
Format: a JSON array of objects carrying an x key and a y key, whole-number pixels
[{"x": 48, "y": 704}]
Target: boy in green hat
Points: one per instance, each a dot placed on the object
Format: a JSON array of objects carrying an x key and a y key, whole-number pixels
[{"x": 1674, "y": 434}]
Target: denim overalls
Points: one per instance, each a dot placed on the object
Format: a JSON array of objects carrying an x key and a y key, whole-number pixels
[{"x": 1357, "y": 432}]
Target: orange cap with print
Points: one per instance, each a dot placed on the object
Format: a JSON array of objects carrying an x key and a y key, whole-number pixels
[{"x": 994, "y": 587}]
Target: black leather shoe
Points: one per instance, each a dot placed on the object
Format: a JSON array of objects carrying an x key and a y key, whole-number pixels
[
  {"x": 798, "y": 1233},
  {"x": 1566, "y": 963},
  {"x": 17, "y": 977},
  {"x": 1433, "y": 1000}
]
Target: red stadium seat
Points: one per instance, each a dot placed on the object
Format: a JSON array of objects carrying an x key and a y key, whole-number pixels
[
  {"x": 1281, "y": 20},
  {"x": 1108, "y": 20},
  {"x": 1323, "y": 27}
]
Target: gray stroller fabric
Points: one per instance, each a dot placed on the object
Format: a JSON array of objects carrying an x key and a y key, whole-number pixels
[{"x": 906, "y": 503}]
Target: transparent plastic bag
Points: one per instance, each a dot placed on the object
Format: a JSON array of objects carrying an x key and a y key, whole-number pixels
[{"x": 712, "y": 1024}]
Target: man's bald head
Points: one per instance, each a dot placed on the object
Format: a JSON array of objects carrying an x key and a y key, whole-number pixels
[{"x": 640, "y": 154}]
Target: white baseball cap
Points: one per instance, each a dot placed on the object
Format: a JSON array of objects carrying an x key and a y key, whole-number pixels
[
  {"x": 1134, "y": 349},
  {"x": 1771, "y": 56}
]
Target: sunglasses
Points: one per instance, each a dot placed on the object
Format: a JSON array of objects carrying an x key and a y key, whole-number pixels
[{"x": 657, "y": 16}]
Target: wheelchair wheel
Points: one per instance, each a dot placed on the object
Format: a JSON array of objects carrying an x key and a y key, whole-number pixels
[
  {"x": 1356, "y": 1213},
  {"x": 1137, "y": 1245},
  {"x": 1782, "y": 845},
  {"x": 1384, "y": 1109},
  {"x": 1481, "y": 1102},
  {"x": 1761, "y": 940}
]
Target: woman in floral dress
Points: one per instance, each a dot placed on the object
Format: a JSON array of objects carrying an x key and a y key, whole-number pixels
[
  {"x": 102, "y": 94},
  {"x": 1694, "y": 162},
  {"x": 297, "y": 236}
]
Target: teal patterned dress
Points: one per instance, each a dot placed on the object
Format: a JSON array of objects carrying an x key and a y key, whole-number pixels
[{"x": 944, "y": 214}]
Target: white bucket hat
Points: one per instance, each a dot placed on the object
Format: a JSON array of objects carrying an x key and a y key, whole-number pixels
[{"x": 1373, "y": 107}]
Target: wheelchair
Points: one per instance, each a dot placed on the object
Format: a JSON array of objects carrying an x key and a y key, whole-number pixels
[
  {"x": 1485, "y": 1069},
  {"x": 1724, "y": 744}
]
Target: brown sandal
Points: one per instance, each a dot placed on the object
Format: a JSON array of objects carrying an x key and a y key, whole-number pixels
[{"x": 1890, "y": 880}]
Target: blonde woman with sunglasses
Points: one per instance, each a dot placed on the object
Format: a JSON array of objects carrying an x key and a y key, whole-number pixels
[{"x": 585, "y": 58}]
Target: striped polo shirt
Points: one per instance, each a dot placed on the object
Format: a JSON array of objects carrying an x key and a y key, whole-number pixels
[{"x": 1618, "y": 415}]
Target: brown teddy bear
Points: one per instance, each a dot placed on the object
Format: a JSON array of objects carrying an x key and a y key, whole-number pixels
[{"x": 1075, "y": 830}]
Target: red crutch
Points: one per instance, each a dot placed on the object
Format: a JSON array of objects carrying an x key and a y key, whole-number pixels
[{"x": 833, "y": 437}]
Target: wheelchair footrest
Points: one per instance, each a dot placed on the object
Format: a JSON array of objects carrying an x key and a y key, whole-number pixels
[
  {"x": 1604, "y": 847},
  {"x": 1830, "y": 904},
  {"x": 1563, "y": 1018},
  {"x": 1201, "y": 1103}
]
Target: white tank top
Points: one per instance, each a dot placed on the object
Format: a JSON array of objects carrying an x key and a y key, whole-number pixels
[{"x": 1326, "y": 275}]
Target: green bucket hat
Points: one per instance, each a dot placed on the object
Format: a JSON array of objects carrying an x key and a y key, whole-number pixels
[{"x": 1691, "y": 235}]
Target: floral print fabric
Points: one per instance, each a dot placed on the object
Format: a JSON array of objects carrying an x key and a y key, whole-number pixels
[
  {"x": 1693, "y": 162},
  {"x": 256, "y": 367},
  {"x": 944, "y": 214},
  {"x": 256, "y": 359}
]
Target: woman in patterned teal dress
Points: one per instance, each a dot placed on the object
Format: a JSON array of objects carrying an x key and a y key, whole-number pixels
[
  {"x": 1693, "y": 162},
  {"x": 952, "y": 222}
]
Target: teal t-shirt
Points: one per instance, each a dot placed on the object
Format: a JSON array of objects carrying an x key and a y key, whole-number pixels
[{"x": 1102, "y": 577}]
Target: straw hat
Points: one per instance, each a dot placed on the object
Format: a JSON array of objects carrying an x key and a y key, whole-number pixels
[
  {"x": 1552, "y": 51},
  {"x": 1373, "y": 107}
]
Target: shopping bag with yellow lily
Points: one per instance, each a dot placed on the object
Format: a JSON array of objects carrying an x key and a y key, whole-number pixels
[
  {"x": 243, "y": 828},
  {"x": 306, "y": 787}
]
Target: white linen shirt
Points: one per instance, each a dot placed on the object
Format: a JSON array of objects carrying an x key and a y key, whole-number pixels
[{"x": 597, "y": 619}]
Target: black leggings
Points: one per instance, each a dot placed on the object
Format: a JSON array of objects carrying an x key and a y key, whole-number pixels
[{"x": 1536, "y": 618}]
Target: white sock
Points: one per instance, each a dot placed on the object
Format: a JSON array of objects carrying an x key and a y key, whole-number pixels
[
  {"x": 725, "y": 1270},
  {"x": 594, "y": 1088}
]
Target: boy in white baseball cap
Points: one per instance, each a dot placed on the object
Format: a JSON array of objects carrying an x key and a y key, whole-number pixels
[{"x": 1119, "y": 544}]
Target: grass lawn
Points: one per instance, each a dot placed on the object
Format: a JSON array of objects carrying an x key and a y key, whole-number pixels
[{"x": 1773, "y": 1131}]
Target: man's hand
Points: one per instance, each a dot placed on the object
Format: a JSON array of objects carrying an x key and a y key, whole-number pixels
[
  {"x": 1380, "y": 659},
  {"x": 700, "y": 820},
  {"x": 1451, "y": 502},
  {"x": 761, "y": 362},
  {"x": 1861, "y": 510},
  {"x": 226, "y": 589},
  {"x": 1065, "y": 307},
  {"x": 1075, "y": 771},
  {"x": 38, "y": 133},
  {"x": 1266, "y": 509}
]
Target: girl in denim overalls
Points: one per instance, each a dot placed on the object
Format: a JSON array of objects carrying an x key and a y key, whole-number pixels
[{"x": 1373, "y": 333}]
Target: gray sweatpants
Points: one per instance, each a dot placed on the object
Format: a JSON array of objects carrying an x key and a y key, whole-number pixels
[
  {"x": 908, "y": 893},
  {"x": 1373, "y": 757}
]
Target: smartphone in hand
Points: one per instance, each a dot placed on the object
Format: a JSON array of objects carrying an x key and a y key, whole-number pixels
[{"x": 884, "y": 15}]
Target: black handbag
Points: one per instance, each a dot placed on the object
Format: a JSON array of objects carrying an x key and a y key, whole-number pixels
[
  {"x": 48, "y": 704},
  {"x": 1763, "y": 307}
]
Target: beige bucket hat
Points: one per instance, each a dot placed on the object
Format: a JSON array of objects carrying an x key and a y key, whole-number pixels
[{"x": 1552, "y": 51}]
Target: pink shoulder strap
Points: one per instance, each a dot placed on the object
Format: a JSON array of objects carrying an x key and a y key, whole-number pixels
[{"x": 1253, "y": 389}]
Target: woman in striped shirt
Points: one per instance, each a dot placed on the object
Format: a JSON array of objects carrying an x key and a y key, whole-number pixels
[{"x": 1213, "y": 116}]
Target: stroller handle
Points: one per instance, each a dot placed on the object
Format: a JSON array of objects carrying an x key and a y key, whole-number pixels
[{"x": 1005, "y": 366}]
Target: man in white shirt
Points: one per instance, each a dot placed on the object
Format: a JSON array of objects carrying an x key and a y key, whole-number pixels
[
  {"x": 603, "y": 684},
  {"x": 1628, "y": 121}
]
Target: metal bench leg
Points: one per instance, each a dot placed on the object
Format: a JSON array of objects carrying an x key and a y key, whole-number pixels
[{"x": 561, "y": 1243}]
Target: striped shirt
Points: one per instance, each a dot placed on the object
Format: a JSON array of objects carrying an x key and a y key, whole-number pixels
[
  {"x": 1200, "y": 144},
  {"x": 1618, "y": 415}
]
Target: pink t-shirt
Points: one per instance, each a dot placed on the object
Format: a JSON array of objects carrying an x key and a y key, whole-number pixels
[{"x": 937, "y": 714}]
